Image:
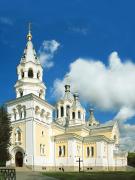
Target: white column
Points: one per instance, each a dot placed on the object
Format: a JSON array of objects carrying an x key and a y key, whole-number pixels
[
  {"x": 35, "y": 75},
  {"x": 25, "y": 73}
]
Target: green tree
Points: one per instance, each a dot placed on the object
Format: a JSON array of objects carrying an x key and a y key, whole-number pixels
[
  {"x": 131, "y": 159},
  {"x": 5, "y": 133}
]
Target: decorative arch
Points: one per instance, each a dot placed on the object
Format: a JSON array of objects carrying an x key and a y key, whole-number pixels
[
  {"x": 67, "y": 110},
  {"x": 18, "y": 135},
  {"x": 38, "y": 75},
  {"x": 20, "y": 92},
  {"x": 30, "y": 73},
  {"x": 22, "y": 73},
  {"x": 14, "y": 113},
  {"x": 73, "y": 115},
  {"x": 42, "y": 112},
  {"x": 24, "y": 111},
  {"x": 57, "y": 113},
  {"x": 37, "y": 110},
  {"x": 62, "y": 111},
  {"x": 40, "y": 93},
  {"x": 19, "y": 154},
  {"x": 79, "y": 114}
]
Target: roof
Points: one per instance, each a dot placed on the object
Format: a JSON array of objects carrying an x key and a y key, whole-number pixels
[
  {"x": 98, "y": 138},
  {"x": 89, "y": 138},
  {"x": 103, "y": 126},
  {"x": 29, "y": 54},
  {"x": 29, "y": 97}
]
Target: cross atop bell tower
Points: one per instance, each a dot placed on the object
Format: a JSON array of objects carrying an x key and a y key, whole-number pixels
[
  {"x": 29, "y": 35},
  {"x": 30, "y": 72}
]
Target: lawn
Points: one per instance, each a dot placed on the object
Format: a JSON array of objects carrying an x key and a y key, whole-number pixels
[
  {"x": 92, "y": 175},
  {"x": 1, "y": 177}
]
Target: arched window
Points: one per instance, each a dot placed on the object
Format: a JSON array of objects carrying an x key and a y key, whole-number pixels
[
  {"x": 67, "y": 110},
  {"x": 62, "y": 111},
  {"x": 60, "y": 151},
  {"x": 73, "y": 115},
  {"x": 38, "y": 75},
  {"x": 92, "y": 151},
  {"x": 115, "y": 137},
  {"x": 21, "y": 92},
  {"x": 41, "y": 93},
  {"x": 64, "y": 150},
  {"x": 37, "y": 109},
  {"x": 88, "y": 151},
  {"x": 14, "y": 113},
  {"x": 57, "y": 113},
  {"x": 24, "y": 111},
  {"x": 42, "y": 133},
  {"x": 30, "y": 73},
  {"x": 22, "y": 74},
  {"x": 18, "y": 135},
  {"x": 42, "y": 113},
  {"x": 79, "y": 115},
  {"x": 21, "y": 115}
]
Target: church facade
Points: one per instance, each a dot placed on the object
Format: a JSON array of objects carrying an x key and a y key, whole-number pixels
[{"x": 41, "y": 141}]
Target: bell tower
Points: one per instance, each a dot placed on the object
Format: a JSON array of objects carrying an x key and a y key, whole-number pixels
[{"x": 30, "y": 72}]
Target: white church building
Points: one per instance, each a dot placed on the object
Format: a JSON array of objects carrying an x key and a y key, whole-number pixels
[{"x": 40, "y": 141}]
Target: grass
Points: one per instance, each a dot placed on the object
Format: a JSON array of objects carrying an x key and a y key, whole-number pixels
[
  {"x": 92, "y": 175},
  {"x": 1, "y": 177}
]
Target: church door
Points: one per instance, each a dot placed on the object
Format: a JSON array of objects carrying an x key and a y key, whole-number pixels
[{"x": 19, "y": 159}]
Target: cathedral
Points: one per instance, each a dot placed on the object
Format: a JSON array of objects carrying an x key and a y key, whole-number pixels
[{"x": 64, "y": 142}]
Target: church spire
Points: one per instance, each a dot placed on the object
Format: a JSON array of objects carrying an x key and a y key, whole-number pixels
[
  {"x": 92, "y": 121},
  {"x": 68, "y": 95},
  {"x": 29, "y": 35},
  {"x": 29, "y": 54},
  {"x": 30, "y": 72}
]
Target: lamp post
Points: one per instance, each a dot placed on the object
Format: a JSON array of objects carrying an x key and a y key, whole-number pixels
[{"x": 79, "y": 161}]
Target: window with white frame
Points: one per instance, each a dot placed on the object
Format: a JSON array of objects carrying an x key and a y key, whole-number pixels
[
  {"x": 90, "y": 151},
  {"x": 42, "y": 149},
  {"x": 62, "y": 151},
  {"x": 18, "y": 135}
]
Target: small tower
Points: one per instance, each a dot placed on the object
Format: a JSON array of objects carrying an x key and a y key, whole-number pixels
[
  {"x": 30, "y": 72},
  {"x": 92, "y": 121},
  {"x": 77, "y": 111},
  {"x": 68, "y": 95}
]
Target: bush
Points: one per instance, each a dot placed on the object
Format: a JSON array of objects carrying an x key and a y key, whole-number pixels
[
  {"x": 5, "y": 133},
  {"x": 131, "y": 159}
]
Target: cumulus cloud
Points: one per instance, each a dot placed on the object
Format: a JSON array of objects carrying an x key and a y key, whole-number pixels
[
  {"x": 127, "y": 139},
  {"x": 5, "y": 20},
  {"x": 46, "y": 52},
  {"x": 108, "y": 87}
]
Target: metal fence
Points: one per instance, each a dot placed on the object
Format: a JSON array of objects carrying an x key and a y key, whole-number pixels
[{"x": 7, "y": 174}]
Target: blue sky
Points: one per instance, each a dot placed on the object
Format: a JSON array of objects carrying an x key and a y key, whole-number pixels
[{"x": 84, "y": 28}]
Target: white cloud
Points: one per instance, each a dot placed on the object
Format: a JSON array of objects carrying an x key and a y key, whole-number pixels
[
  {"x": 127, "y": 132},
  {"x": 125, "y": 113},
  {"x": 46, "y": 52},
  {"x": 5, "y": 20},
  {"x": 80, "y": 30},
  {"x": 108, "y": 87}
]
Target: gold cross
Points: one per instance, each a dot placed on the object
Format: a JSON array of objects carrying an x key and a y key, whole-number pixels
[{"x": 29, "y": 26}]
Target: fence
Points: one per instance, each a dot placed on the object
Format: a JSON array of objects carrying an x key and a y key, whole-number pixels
[{"x": 7, "y": 174}]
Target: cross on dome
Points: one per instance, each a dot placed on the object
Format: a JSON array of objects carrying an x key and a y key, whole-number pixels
[{"x": 29, "y": 35}]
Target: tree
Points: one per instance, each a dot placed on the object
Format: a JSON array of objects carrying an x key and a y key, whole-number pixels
[
  {"x": 5, "y": 133},
  {"x": 131, "y": 159}
]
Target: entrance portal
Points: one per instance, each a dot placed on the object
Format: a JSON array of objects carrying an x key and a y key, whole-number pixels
[{"x": 19, "y": 159}]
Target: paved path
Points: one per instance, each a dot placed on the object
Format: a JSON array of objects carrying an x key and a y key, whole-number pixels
[{"x": 32, "y": 176}]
